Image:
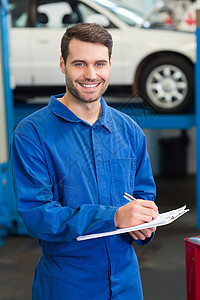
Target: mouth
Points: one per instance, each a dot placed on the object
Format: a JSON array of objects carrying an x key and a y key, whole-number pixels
[{"x": 86, "y": 85}]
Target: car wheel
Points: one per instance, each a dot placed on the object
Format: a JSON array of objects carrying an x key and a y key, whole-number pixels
[{"x": 166, "y": 83}]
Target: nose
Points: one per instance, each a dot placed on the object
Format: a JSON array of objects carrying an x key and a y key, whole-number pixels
[{"x": 90, "y": 73}]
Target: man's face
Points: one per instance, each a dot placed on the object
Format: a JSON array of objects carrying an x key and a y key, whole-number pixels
[{"x": 87, "y": 70}]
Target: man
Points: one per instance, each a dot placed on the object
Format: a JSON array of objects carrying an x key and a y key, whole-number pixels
[{"x": 72, "y": 162}]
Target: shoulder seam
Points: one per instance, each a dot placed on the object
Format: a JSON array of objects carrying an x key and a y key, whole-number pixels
[{"x": 20, "y": 134}]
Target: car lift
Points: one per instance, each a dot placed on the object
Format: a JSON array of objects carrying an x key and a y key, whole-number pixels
[
  {"x": 10, "y": 221},
  {"x": 197, "y": 113}
]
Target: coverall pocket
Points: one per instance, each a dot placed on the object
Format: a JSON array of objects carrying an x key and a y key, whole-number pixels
[
  {"x": 70, "y": 194},
  {"x": 122, "y": 177}
]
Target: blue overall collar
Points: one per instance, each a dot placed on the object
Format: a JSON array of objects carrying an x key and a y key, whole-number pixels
[{"x": 60, "y": 110}]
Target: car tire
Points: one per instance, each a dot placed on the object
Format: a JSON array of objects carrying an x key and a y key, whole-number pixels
[{"x": 166, "y": 83}]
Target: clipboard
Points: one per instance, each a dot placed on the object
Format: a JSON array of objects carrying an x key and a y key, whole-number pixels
[{"x": 160, "y": 220}]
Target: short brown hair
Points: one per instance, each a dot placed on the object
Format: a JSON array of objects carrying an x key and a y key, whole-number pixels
[{"x": 87, "y": 32}]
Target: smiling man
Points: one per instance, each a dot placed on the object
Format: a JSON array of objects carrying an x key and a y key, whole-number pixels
[
  {"x": 86, "y": 79},
  {"x": 72, "y": 162}
]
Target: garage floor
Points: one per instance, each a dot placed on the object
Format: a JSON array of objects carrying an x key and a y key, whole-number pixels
[{"x": 162, "y": 263}]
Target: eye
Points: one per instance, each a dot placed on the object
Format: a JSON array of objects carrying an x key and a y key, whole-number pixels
[
  {"x": 100, "y": 64},
  {"x": 80, "y": 64}
]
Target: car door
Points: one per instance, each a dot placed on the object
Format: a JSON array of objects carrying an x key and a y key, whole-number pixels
[
  {"x": 45, "y": 42},
  {"x": 52, "y": 18}
]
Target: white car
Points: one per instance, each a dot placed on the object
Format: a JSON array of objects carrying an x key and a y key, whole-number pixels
[{"x": 159, "y": 64}]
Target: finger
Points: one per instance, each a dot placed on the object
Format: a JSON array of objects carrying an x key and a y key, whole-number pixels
[
  {"x": 137, "y": 235},
  {"x": 133, "y": 235},
  {"x": 145, "y": 207},
  {"x": 150, "y": 212},
  {"x": 153, "y": 229},
  {"x": 148, "y": 204},
  {"x": 142, "y": 234},
  {"x": 145, "y": 218},
  {"x": 148, "y": 232}
]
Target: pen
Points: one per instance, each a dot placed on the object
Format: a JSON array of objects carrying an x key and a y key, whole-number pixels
[{"x": 128, "y": 197}]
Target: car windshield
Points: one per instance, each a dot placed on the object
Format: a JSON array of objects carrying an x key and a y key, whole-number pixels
[{"x": 124, "y": 12}]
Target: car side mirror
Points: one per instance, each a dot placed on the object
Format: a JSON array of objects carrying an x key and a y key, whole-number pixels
[{"x": 99, "y": 19}]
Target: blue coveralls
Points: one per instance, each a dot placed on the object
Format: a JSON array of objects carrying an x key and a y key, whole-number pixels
[{"x": 69, "y": 178}]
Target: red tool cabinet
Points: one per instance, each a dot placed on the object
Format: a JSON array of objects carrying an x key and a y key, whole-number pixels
[{"x": 192, "y": 249}]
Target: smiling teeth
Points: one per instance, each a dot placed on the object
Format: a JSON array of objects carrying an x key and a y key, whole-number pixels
[{"x": 89, "y": 85}]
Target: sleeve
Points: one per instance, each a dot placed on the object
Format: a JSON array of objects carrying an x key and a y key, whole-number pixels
[
  {"x": 145, "y": 187},
  {"x": 44, "y": 217}
]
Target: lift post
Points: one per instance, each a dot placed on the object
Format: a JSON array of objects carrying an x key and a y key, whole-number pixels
[
  {"x": 10, "y": 221},
  {"x": 197, "y": 102}
]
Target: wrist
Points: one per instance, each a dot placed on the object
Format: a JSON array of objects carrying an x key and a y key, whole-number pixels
[{"x": 116, "y": 219}]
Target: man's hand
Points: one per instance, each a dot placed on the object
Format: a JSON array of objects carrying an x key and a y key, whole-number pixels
[
  {"x": 142, "y": 234},
  {"x": 135, "y": 213}
]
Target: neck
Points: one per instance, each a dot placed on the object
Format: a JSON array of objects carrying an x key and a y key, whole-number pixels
[{"x": 88, "y": 112}]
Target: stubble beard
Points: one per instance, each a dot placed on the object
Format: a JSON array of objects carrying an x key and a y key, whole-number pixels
[{"x": 75, "y": 93}]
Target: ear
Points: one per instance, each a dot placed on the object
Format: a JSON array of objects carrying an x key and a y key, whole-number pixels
[
  {"x": 111, "y": 62},
  {"x": 62, "y": 65}
]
